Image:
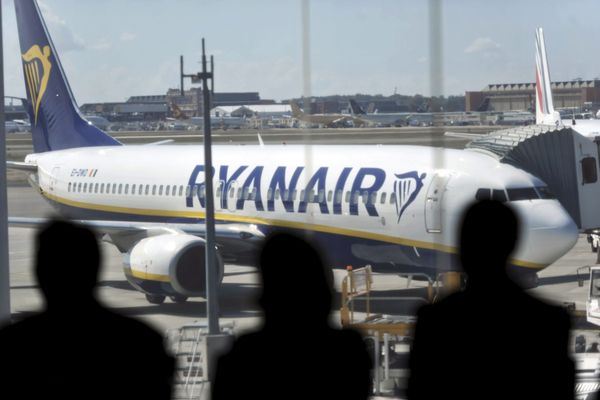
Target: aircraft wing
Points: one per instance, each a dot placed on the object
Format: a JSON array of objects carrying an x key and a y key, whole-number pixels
[{"x": 231, "y": 238}]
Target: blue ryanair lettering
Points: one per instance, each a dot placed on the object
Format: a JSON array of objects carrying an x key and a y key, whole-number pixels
[
  {"x": 359, "y": 190},
  {"x": 252, "y": 187},
  {"x": 196, "y": 188},
  {"x": 339, "y": 190},
  {"x": 226, "y": 182},
  {"x": 319, "y": 197},
  {"x": 278, "y": 183}
]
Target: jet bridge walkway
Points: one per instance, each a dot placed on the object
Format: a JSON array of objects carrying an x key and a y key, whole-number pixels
[{"x": 565, "y": 160}]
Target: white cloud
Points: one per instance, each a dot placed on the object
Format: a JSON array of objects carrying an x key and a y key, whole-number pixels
[
  {"x": 128, "y": 36},
  {"x": 102, "y": 44},
  {"x": 62, "y": 35},
  {"x": 482, "y": 45}
]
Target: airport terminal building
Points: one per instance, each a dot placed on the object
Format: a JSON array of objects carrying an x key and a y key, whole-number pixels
[{"x": 576, "y": 94}]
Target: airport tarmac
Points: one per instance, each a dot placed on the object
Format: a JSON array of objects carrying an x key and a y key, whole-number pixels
[{"x": 238, "y": 294}]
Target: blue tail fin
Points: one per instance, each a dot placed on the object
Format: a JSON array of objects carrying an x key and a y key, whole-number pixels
[{"x": 56, "y": 122}]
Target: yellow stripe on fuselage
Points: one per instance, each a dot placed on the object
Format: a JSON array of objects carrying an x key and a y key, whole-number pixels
[{"x": 273, "y": 222}]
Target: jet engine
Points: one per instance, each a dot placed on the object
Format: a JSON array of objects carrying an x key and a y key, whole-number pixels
[{"x": 170, "y": 264}]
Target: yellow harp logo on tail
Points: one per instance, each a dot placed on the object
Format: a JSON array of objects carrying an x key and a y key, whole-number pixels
[{"x": 36, "y": 65}]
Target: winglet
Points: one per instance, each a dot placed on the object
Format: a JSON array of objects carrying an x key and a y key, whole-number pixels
[{"x": 544, "y": 107}]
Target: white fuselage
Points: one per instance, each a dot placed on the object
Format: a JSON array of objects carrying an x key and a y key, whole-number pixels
[{"x": 388, "y": 204}]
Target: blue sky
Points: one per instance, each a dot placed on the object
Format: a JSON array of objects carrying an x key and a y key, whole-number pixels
[{"x": 112, "y": 49}]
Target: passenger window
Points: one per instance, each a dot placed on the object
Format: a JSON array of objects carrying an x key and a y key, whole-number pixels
[
  {"x": 294, "y": 194},
  {"x": 270, "y": 194},
  {"x": 96, "y": 188},
  {"x": 373, "y": 198},
  {"x": 120, "y": 187},
  {"x": 231, "y": 192},
  {"x": 114, "y": 188},
  {"x": 383, "y": 196},
  {"x": 329, "y": 196},
  {"x": 202, "y": 191},
  {"x": 337, "y": 199},
  {"x": 239, "y": 193},
  {"x": 483, "y": 194},
  {"x": 133, "y": 188},
  {"x": 392, "y": 198},
  {"x": 102, "y": 188},
  {"x": 85, "y": 187},
  {"x": 141, "y": 190},
  {"x": 160, "y": 190},
  {"x": 302, "y": 193},
  {"x": 147, "y": 192},
  {"x": 69, "y": 188},
  {"x": 127, "y": 188},
  {"x": 277, "y": 194},
  {"x": 321, "y": 195},
  {"x": 286, "y": 195},
  {"x": 347, "y": 196},
  {"x": 180, "y": 190},
  {"x": 79, "y": 187},
  {"x": 355, "y": 197},
  {"x": 167, "y": 190}
]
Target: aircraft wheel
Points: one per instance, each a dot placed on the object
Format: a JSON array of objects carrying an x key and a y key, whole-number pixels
[
  {"x": 155, "y": 298},
  {"x": 177, "y": 298}
]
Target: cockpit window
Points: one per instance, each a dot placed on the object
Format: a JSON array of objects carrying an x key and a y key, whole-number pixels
[
  {"x": 545, "y": 192},
  {"x": 517, "y": 194},
  {"x": 483, "y": 194},
  {"x": 499, "y": 195},
  {"x": 491, "y": 194}
]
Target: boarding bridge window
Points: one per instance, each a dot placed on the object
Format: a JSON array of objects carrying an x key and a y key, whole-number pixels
[
  {"x": 588, "y": 170},
  {"x": 517, "y": 194}
]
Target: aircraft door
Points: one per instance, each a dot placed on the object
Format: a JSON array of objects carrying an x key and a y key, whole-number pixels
[
  {"x": 433, "y": 203},
  {"x": 54, "y": 178}
]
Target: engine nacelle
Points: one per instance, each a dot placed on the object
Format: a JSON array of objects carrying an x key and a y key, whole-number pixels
[{"x": 177, "y": 260}]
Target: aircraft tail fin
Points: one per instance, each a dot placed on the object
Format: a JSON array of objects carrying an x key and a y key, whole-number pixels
[
  {"x": 296, "y": 111},
  {"x": 356, "y": 108},
  {"x": 56, "y": 122},
  {"x": 544, "y": 107}
]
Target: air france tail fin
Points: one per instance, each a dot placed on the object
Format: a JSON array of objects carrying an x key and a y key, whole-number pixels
[
  {"x": 544, "y": 107},
  {"x": 56, "y": 122}
]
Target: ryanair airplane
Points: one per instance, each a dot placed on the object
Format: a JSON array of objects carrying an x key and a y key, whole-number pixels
[{"x": 388, "y": 206}]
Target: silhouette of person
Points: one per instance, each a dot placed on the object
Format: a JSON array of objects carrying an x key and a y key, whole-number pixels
[
  {"x": 296, "y": 354},
  {"x": 491, "y": 338},
  {"x": 76, "y": 348}
]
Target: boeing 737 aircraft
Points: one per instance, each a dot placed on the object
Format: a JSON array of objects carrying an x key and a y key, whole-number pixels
[{"x": 396, "y": 206}]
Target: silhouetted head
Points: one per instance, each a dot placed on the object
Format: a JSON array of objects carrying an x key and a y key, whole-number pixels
[
  {"x": 487, "y": 238},
  {"x": 296, "y": 285},
  {"x": 67, "y": 265}
]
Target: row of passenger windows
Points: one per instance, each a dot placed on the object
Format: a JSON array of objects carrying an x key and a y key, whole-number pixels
[
  {"x": 233, "y": 193},
  {"x": 515, "y": 194}
]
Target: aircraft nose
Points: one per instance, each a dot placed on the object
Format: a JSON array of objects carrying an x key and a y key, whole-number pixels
[{"x": 547, "y": 232}]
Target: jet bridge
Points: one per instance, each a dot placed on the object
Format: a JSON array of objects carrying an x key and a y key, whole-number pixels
[{"x": 565, "y": 160}]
